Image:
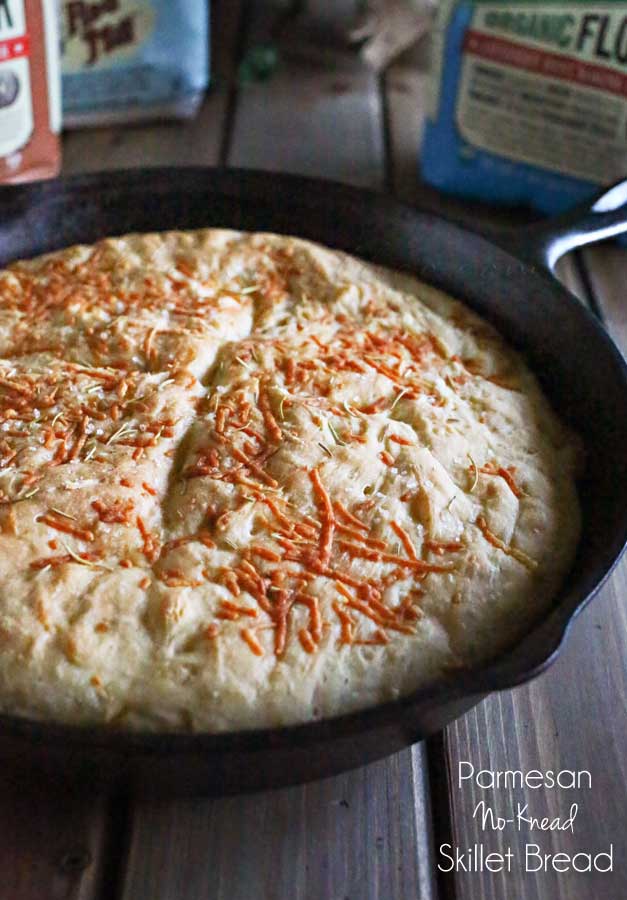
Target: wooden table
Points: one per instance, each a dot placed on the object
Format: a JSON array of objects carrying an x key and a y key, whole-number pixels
[{"x": 375, "y": 833}]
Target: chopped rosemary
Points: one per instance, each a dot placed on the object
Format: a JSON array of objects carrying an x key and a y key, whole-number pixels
[
  {"x": 399, "y": 396},
  {"x": 250, "y": 289},
  {"x": 80, "y": 560},
  {"x": 476, "y": 474},
  {"x": 123, "y": 430},
  {"x": 60, "y": 512},
  {"x": 29, "y": 495},
  {"x": 336, "y": 436}
]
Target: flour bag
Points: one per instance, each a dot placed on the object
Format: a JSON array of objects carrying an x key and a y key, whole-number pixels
[
  {"x": 527, "y": 101},
  {"x": 132, "y": 60}
]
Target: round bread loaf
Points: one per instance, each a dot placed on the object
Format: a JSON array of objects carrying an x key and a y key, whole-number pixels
[{"x": 247, "y": 481}]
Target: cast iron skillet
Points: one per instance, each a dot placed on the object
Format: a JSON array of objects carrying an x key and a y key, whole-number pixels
[{"x": 508, "y": 280}]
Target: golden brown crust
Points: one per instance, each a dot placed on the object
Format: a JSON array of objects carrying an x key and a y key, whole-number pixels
[{"x": 246, "y": 481}]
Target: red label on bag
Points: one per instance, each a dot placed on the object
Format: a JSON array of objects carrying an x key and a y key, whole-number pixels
[
  {"x": 14, "y": 48},
  {"x": 29, "y": 89},
  {"x": 543, "y": 62}
]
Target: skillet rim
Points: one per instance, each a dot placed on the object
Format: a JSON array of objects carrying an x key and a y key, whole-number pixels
[{"x": 527, "y": 659}]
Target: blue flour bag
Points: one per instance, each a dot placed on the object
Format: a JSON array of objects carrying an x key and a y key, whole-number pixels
[
  {"x": 527, "y": 100},
  {"x": 128, "y": 60}
]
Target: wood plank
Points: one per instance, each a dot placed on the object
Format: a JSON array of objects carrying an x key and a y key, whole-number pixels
[
  {"x": 568, "y": 272},
  {"x": 52, "y": 842},
  {"x": 324, "y": 123},
  {"x": 355, "y": 835},
  {"x": 570, "y": 718},
  {"x": 319, "y": 114},
  {"x": 405, "y": 84},
  {"x": 197, "y": 142},
  {"x": 364, "y": 834},
  {"x": 607, "y": 268}
]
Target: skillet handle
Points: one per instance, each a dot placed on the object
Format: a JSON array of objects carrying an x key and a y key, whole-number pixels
[{"x": 602, "y": 217}]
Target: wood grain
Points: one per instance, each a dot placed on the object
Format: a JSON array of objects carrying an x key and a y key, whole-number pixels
[
  {"x": 52, "y": 842},
  {"x": 607, "y": 267},
  {"x": 354, "y": 836},
  {"x": 405, "y": 85},
  {"x": 317, "y": 115}
]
